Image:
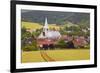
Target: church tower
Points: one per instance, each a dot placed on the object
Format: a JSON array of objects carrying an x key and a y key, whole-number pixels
[
  {"x": 46, "y": 27},
  {"x": 46, "y": 33}
]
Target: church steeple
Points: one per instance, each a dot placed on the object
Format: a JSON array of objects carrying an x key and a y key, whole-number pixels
[
  {"x": 45, "y": 28},
  {"x": 46, "y": 33},
  {"x": 46, "y": 24}
]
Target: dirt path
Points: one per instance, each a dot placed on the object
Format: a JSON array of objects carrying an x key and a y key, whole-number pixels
[{"x": 45, "y": 56}]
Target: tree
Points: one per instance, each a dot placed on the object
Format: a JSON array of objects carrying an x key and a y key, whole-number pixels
[
  {"x": 28, "y": 41},
  {"x": 61, "y": 44},
  {"x": 24, "y": 34}
]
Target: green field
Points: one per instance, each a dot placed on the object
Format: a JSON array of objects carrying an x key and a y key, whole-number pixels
[
  {"x": 61, "y": 55},
  {"x": 56, "y": 55},
  {"x": 32, "y": 25},
  {"x": 32, "y": 56}
]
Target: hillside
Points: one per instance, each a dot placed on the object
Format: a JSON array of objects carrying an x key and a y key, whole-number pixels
[
  {"x": 54, "y": 17},
  {"x": 32, "y": 25}
]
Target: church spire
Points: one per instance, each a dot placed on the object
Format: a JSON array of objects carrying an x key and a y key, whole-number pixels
[
  {"x": 45, "y": 28},
  {"x": 46, "y": 33},
  {"x": 46, "y": 24}
]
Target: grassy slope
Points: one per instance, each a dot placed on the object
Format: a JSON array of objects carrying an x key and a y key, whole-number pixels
[
  {"x": 71, "y": 54},
  {"x": 33, "y": 56},
  {"x": 58, "y": 55},
  {"x": 31, "y": 25}
]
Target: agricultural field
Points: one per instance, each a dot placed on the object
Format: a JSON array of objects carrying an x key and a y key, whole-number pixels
[
  {"x": 55, "y": 55},
  {"x": 32, "y": 25},
  {"x": 32, "y": 56},
  {"x": 71, "y": 54}
]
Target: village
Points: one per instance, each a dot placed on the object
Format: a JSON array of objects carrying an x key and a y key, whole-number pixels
[{"x": 51, "y": 39}]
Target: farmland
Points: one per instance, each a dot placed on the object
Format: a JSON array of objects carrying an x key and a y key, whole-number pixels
[
  {"x": 55, "y": 55},
  {"x": 32, "y": 56},
  {"x": 32, "y": 25}
]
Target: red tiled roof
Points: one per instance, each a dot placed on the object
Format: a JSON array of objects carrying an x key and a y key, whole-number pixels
[{"x": 45, "y": 41}]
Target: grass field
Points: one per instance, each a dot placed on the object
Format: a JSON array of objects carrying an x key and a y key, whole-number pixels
[
  {"x": 56, "y": 55},
  {"x": 32, "y": 25},
  {"x": 32, "y": 56},
  {"x": 61, "y": 55}
]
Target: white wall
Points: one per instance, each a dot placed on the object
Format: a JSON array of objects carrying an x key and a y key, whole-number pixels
[{"x": 5, "y": 36}]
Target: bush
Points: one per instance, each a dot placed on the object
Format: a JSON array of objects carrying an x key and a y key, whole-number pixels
[
  {"x": 87, "y": 46},
  {"x": 61, "y": 44},
  {"x": 30, "y": 47}
]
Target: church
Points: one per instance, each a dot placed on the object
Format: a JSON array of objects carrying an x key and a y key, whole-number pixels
[{"x": 48, "y": 37}]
